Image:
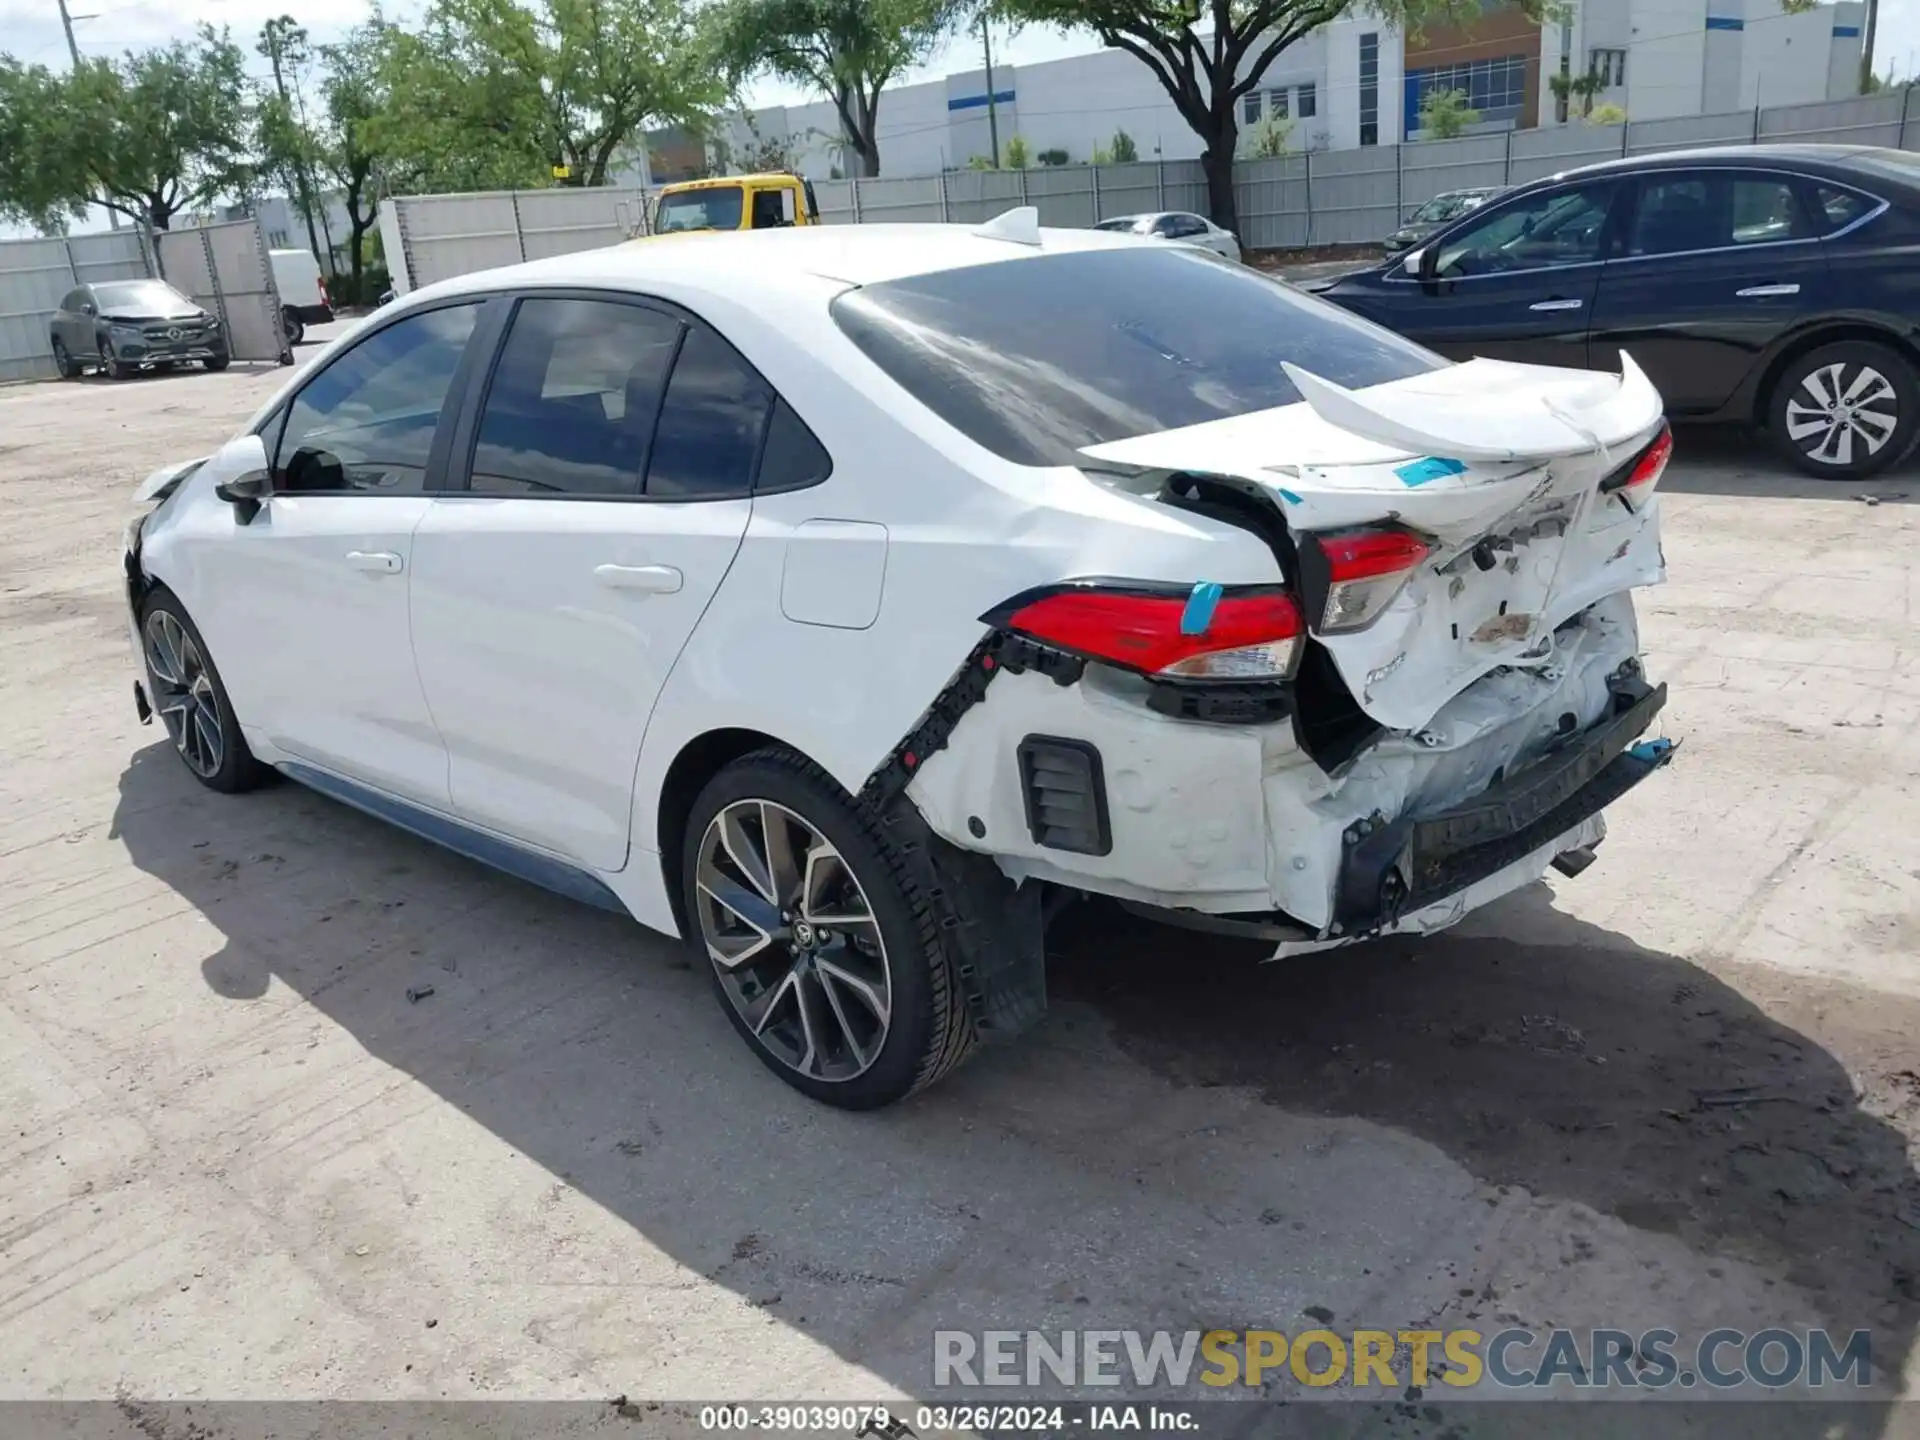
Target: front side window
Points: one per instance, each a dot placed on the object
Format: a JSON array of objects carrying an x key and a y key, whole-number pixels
[
  {"x": 367, "y": 421},
  {"x": 1554, "y": 228},
  {"x": 716, "y": 209},
  {"x": 73, "y": 301},
  {"x": 573, "y": 399},
  {"x": 1037, "y": 357}
]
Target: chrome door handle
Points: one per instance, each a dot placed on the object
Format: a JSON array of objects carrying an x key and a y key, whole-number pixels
[
  {"x": 1555, "y": 305},
  {"x": 379, "y": 562},
  {"x": 1766, "y": 292},
  {"x": 648, "y": 579}
]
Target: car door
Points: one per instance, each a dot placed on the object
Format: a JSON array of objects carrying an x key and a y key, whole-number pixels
[
  {"x": 306, "y": 602},
  {"x": 608, "y": 472},
  {"x": 1513, "y": 281},
  {"x": 1714, "y": 265},
  {"x": 67, "y": 321}
]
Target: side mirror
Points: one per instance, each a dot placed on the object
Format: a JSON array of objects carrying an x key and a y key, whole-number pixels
[
  {"x": 244, "y": 461},
  {"x": 1418, "y": 263},
  {"x": 86, "y": 309}
]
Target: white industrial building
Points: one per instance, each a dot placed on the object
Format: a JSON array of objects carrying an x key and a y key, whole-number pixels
[{"x": 1359, "y": 81}]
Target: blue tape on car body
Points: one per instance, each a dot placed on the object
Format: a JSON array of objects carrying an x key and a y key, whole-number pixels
[
  {"x": 1198, "y": 615},
  {"x": 1431, "y": 467}
]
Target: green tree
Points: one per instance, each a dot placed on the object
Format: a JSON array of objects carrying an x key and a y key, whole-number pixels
[
  {"x": 1267, "y": 140},
  {"x": 286, "y": 144},
  {"x": 1607, "y": 115},
  {"x": 1016, "y": 153},
  {"x": 1568, "y": 88},
  {"x": 848, "y": 50},
  {"x": 148, "y": 135},
  {"x": 1445, "y": 114},
  {"x": 1207, "y": 54},
  {"x": 507, "y": 92},
  {"x": 1122, "y": 148},
  {"x": 353, "y": 99}
]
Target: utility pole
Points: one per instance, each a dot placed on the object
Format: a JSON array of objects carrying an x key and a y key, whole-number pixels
[
  {"x": 1867, "y": 37},
  {"x": 993, "y": 110},
  {"x": 66, "y": 23}
]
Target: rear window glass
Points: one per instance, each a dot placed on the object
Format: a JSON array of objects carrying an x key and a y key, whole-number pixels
[{"x": 1035, "y": 358}]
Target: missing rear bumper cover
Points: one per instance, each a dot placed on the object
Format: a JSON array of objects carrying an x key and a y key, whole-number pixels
[{"x": 1396, "y": 867}]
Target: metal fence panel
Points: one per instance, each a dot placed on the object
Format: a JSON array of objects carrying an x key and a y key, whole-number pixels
[
  {"x": 1130, "y": 189},
  {"x": 1183, "y": 186},
  {"x": 448, "y": 235},
  {"x": 34, "y": 274},
  {"x": 1433, "y": 166},
  {"x": 976, "y": 196},
  {"x": 1350, "y": 195},
  {"x": 1869, "y": 120},
  {"x": 1063, "y": 195},
  {"x": 890, "y": 201},
  {"x": 1537, "y": 154},
  {"x": 559, "y": 222},
  {"x": 835, "y": 198},
  {"x": 1271, "y": 197},
  {"x": 1683, "y": 132},
  {"x": 248, "y": 298}
]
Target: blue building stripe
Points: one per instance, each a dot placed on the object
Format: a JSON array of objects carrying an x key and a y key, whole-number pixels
[
  {"x": 1725, "y": 22},
  {"x": 1846, "y": 32},
  {"x": 974, "y": 102}
]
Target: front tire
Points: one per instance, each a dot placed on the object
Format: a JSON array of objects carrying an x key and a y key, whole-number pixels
[
  {"x": 295, "y": 327},
  {"x": 217, "y": 362},
  {"x": 819, "y": 935},
  {"x": 187, "y": 695},
  {"x": 112, "y": 363},
  {"x": 1845, "y": 411}
]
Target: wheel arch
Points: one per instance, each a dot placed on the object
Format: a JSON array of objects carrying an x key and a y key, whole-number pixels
[
  {"x": 1827, "y": 333},
  {"x": 699, "y": 760}
]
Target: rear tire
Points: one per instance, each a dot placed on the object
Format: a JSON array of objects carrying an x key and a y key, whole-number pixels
[
  {"x": 190, "y": 700},
  {"x": 68, "y": 367},
  {"x": 838, "y": 977},
  {"x": 295, "y": 327},
  {"x": 1845, "y": 411}
]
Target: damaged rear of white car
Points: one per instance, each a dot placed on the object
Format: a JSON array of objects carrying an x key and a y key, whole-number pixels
[{"x": 1431, "y": 702}]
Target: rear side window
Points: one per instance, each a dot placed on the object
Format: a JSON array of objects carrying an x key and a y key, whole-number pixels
[
  {"x": 1841, "y": 208},
  {"x": 711, "y": 425},
  {"x": 793, "y": 459},
  {"x": 573, "y": 399},
  {"x": 1034, "y": 358},
  {"x": 1715, "y": 211}
]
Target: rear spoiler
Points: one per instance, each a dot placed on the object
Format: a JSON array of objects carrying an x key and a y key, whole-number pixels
[{"x": 1487, "y": 420}]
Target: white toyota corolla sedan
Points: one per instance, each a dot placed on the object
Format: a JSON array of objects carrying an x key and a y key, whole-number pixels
[{"x": 836, "y": 597}]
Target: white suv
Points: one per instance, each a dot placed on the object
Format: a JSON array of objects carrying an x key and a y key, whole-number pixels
[{"x": 834, "y": 597}]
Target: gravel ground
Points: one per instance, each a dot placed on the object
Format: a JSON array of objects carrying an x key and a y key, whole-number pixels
[{"x": 237, "y": 1162}]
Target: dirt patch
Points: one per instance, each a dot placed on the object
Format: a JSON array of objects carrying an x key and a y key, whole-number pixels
[{"x": 1589, "y": 1069}]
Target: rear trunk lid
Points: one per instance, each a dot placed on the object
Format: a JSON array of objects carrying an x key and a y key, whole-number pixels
[{"x": 1496, "y": 466}]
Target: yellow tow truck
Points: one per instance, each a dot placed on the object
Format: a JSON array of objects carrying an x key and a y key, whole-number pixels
[{"x": 735, "y": 202}]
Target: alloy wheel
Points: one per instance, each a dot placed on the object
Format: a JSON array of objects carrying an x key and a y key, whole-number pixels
[
  {"x": 183, "y": 693},
  {"x": 1842, "y": 412},
  {"x": 793, "y": 940}
]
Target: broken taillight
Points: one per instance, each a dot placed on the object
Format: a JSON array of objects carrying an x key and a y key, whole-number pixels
[
  {"x": 1634, "y": 483},
  {"x": 1202, "y": 632},
  {"x": 1365, "y": 569}
]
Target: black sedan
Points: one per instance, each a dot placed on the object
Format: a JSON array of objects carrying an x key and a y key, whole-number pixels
[
  {"x": 1437, "y": 214},
  {"x": 1776, "y": 285},
  {"x": 122, "y": 325}
]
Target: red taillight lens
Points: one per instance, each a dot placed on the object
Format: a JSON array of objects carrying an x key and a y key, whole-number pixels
[
  {"x": 1647, "y": 470},
  {"x": 322, "y": 283},
  {"x": 1250, "y": 634},
  {"x": 1365, "y": 570}
]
